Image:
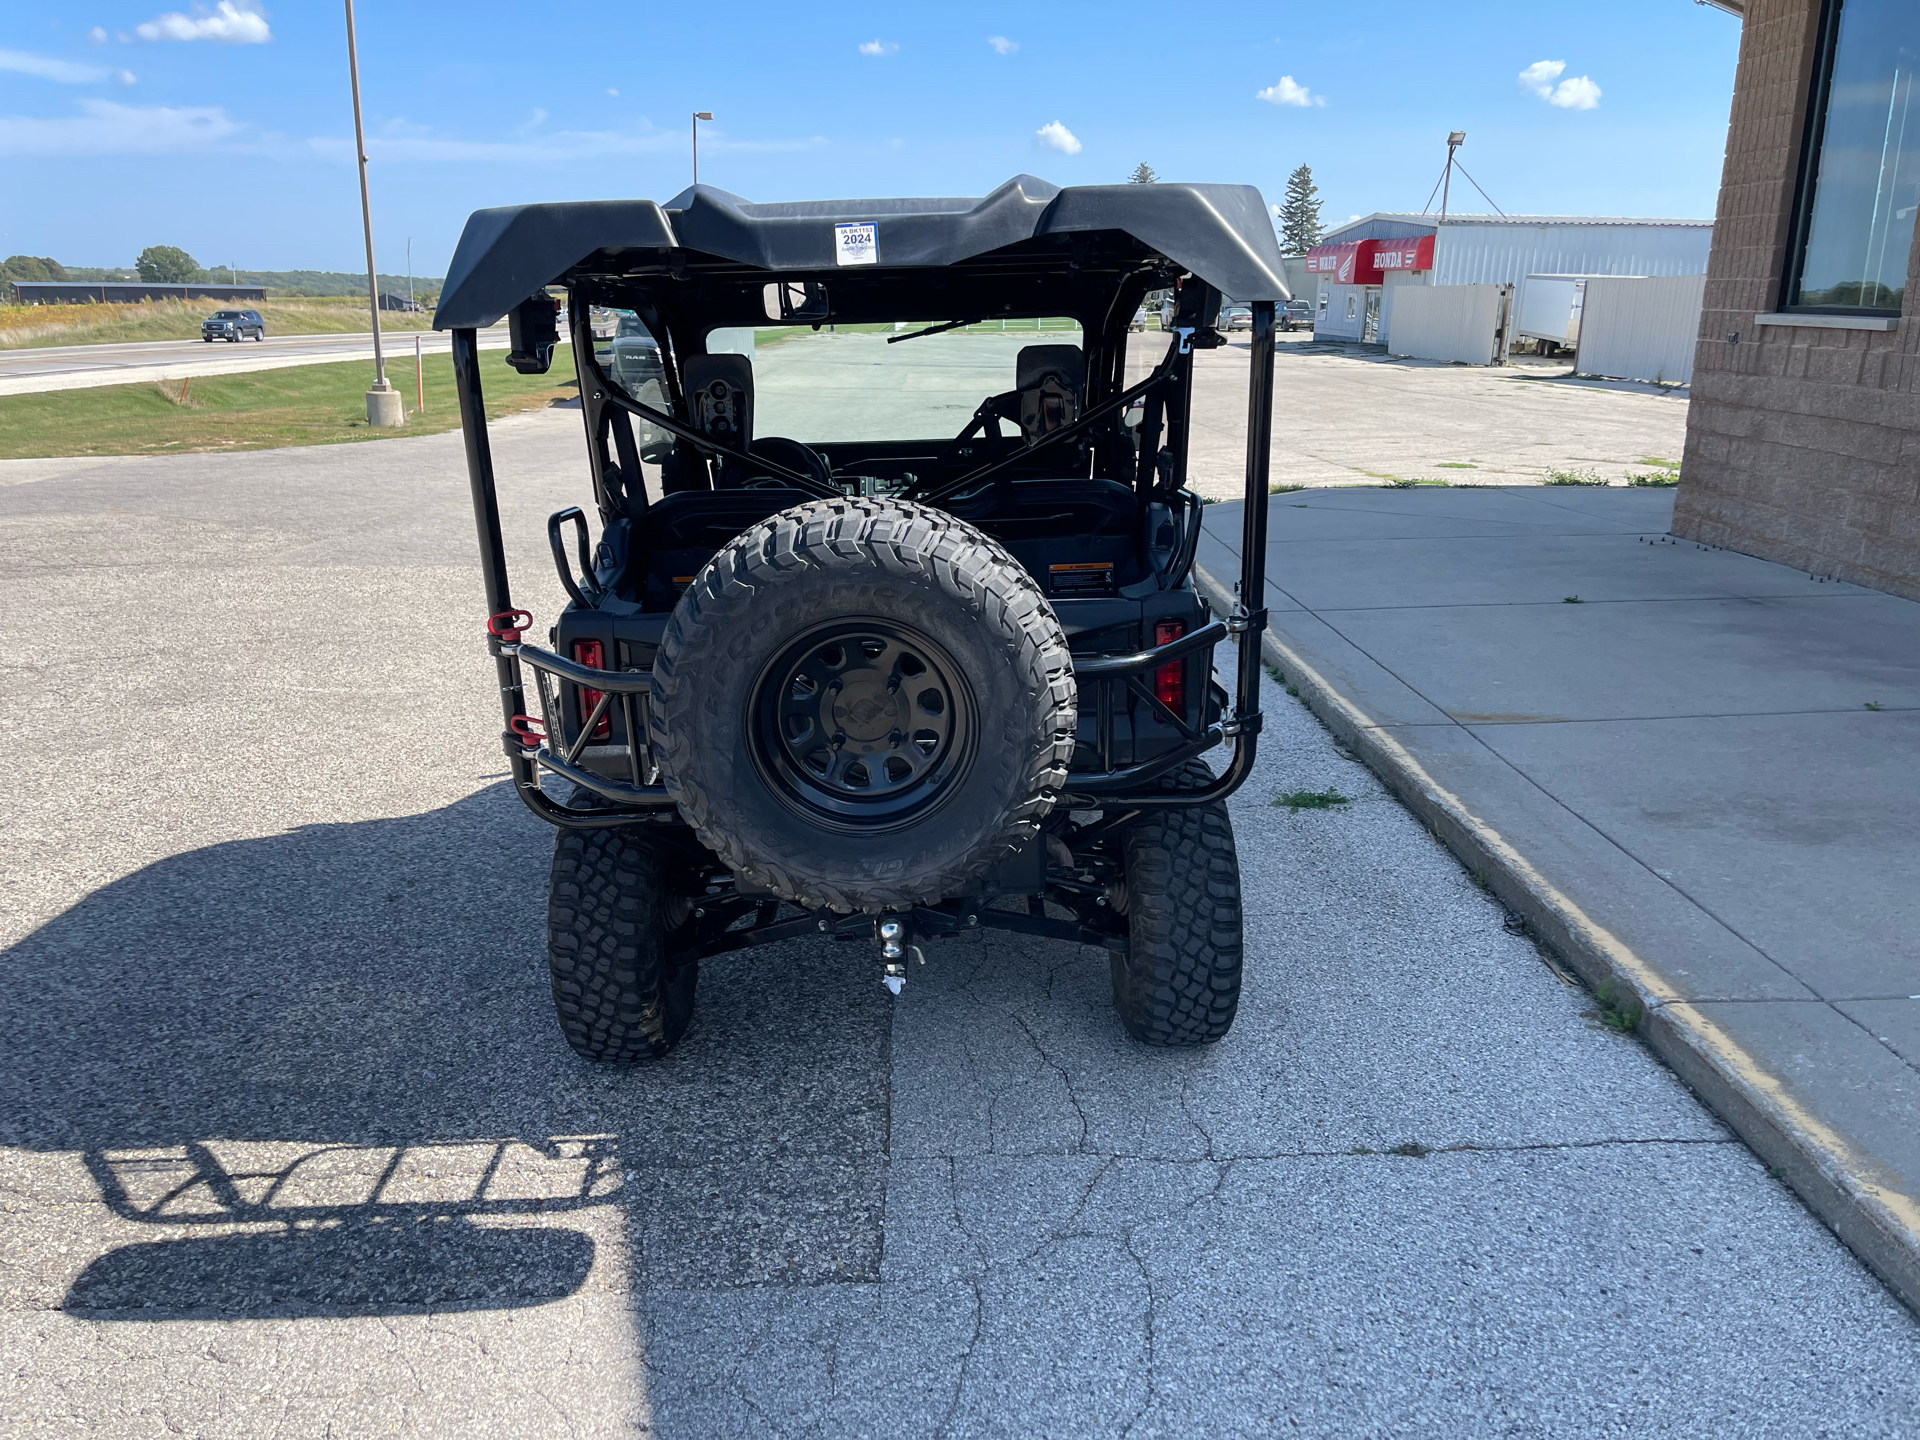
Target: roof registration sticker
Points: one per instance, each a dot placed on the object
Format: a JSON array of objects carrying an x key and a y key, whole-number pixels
[{"x": 856, "y": 244}]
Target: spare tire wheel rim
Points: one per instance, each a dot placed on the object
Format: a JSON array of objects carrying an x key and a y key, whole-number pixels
[{"x": 863, "y": 724}]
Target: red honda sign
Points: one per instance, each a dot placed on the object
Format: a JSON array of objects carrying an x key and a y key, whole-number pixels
[
  {"x": 1414, "y": 254},
  {"x": 1360, "y": 262}
]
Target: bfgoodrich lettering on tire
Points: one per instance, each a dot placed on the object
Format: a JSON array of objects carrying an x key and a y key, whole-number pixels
[{"x": 863, "y": 704}]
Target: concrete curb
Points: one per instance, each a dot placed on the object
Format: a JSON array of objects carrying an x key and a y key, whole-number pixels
[{"x": 1852, "y": 1193}]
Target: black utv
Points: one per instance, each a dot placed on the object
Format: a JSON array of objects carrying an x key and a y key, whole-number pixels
[{"x": 890, "y": 629}]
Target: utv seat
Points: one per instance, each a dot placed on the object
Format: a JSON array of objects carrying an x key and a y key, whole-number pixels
[{"x": 720, "y": 395}]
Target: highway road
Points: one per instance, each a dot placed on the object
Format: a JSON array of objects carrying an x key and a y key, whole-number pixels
[{"x": 73, "y": 367}]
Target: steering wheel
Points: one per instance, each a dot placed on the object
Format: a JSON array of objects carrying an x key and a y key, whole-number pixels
[{"x": 792, "y": 455}]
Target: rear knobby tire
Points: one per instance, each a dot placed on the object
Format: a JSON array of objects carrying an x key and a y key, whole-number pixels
[
  {"x": 1179, "y": 983},
  {"x": 610, "y": 909},
  {"x": 959, "y": 599}
]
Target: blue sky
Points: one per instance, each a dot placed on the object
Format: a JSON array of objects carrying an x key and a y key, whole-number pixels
[{"x": 225, "y": 127}]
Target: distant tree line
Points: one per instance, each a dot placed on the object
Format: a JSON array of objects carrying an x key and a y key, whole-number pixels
[{"x": 170, "y": 265}]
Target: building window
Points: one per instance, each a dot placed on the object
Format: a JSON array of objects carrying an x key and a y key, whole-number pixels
[{"x": 1860, "y": 181}]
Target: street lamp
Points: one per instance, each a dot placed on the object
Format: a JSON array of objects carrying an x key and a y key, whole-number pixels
[
  {"x": 698, "y": 116},
  {"x": 1455, "y": 139},
  {"x": 384, "y": 406}
]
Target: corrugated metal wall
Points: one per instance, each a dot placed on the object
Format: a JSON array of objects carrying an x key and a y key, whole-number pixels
[
  {"x": 1469, "y": 254},
  {"x": 1445, "y": 322},
  {"x": 1379, "y": 227},
  {"x": 1641, "y": 329}
]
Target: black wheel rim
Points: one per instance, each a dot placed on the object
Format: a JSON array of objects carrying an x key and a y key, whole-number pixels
[{"x": 865, "y": 724}]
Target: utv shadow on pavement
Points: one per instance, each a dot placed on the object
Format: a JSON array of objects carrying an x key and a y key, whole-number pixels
[{"x": 316, "y": 1074}]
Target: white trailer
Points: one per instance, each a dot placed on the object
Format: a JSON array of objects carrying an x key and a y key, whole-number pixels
[{"x": 1549, "y": 307}]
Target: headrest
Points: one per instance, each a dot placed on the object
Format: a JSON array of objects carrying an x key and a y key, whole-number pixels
[
  {"x": 1036, "y": 362},
  {"x": 1050, "y": 379},
  {"x": 720, "y": 397}
]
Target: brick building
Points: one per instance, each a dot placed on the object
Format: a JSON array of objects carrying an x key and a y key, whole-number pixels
[{"x": 1803, "y": 438}]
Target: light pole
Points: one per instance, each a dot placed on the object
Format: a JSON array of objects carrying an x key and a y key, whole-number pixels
[
  {"x": 409, "y": 270},
  {"x": 383, "y": 401},
  {"x": 1455, "y": 139},
  {"x": 698, "y": 116}
]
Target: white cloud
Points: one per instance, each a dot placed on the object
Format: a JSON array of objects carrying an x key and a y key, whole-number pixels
[
  {"x": 612, "y": 91},
  {"x": 1576, "y": 92},
  {"x": 230, "y": 23},
  {"x": 124, "y": 77},
  {"x": 98, "y": 35},
  {"x": 45, "y": 67},
  {"x": 1289, "y": 92},
  {"x": 1056, "y": 135},
  {"x": 1540, "y": 75},
  {"x": 878, "y": 47},
  {"x": 1002, "y": 45},
  {"x": 104, "y": 128}
]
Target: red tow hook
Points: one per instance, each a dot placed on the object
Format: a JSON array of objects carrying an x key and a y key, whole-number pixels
[
  {"x": 507, "y": 625},
  {"x": 528, "y": 731}
]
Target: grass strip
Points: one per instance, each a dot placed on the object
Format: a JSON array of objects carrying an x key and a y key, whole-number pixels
[
  {"x": 29, "y": 326},
  {"x": 260, "y": 409},
  {"x": 1298, "y": 800}
]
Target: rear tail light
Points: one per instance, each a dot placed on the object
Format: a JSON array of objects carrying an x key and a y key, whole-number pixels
[
  {"x": 1170, "y": 680},
  {"x": 594, "y": 654}
]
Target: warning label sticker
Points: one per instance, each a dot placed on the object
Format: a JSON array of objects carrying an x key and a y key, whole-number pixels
[{"x": 856, "y": 244}]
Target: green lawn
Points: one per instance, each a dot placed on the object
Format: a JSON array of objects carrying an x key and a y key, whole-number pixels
[{"x": 300, "y": 405}]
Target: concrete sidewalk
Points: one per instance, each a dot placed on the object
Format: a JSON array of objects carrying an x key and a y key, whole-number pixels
[{"x": 1695, "y": 774}]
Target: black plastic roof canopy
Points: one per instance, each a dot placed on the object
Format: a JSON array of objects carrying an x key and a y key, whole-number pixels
[{"x": 1220, "y": 233}]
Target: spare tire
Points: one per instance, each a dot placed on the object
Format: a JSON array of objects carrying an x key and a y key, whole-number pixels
[{"x": 863, "y": 705}]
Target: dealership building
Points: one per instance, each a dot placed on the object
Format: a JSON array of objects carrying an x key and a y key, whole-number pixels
[{"x": 1358, "y": 266}]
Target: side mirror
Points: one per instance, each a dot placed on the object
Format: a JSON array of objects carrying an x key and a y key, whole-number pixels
[
  {"x": 1197, "y": 307},
  {"x": 533, "y": 329},
  {"x": 802, "y": 300}
]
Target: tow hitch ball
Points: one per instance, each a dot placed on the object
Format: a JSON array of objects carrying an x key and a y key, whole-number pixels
[{"x": 894, "y": 948}]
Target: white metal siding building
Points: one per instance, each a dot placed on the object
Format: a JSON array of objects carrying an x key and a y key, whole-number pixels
[
  {"x": 1505, "y": 249},
  {"x": 1389, "y": 249}
]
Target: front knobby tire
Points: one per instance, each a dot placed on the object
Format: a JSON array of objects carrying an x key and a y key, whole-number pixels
[
  {"x": 1179, "y": 983},
  {"x": 611, "y": 908}
]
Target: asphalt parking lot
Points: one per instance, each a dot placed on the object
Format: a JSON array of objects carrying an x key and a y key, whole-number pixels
[
  {"x": 1345, "y": 416},
  {"x": 291, "y": 1145}
]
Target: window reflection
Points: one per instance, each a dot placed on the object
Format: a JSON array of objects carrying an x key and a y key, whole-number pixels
[{"x": 1858, "y": 211}]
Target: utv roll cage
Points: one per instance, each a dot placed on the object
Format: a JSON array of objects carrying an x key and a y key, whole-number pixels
[{"x": 709, "y": 260}]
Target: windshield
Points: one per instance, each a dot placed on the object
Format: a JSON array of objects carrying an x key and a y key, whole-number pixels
[
  {"x": 848, "y": 384},
  {"x": 228, "y": 315}
]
